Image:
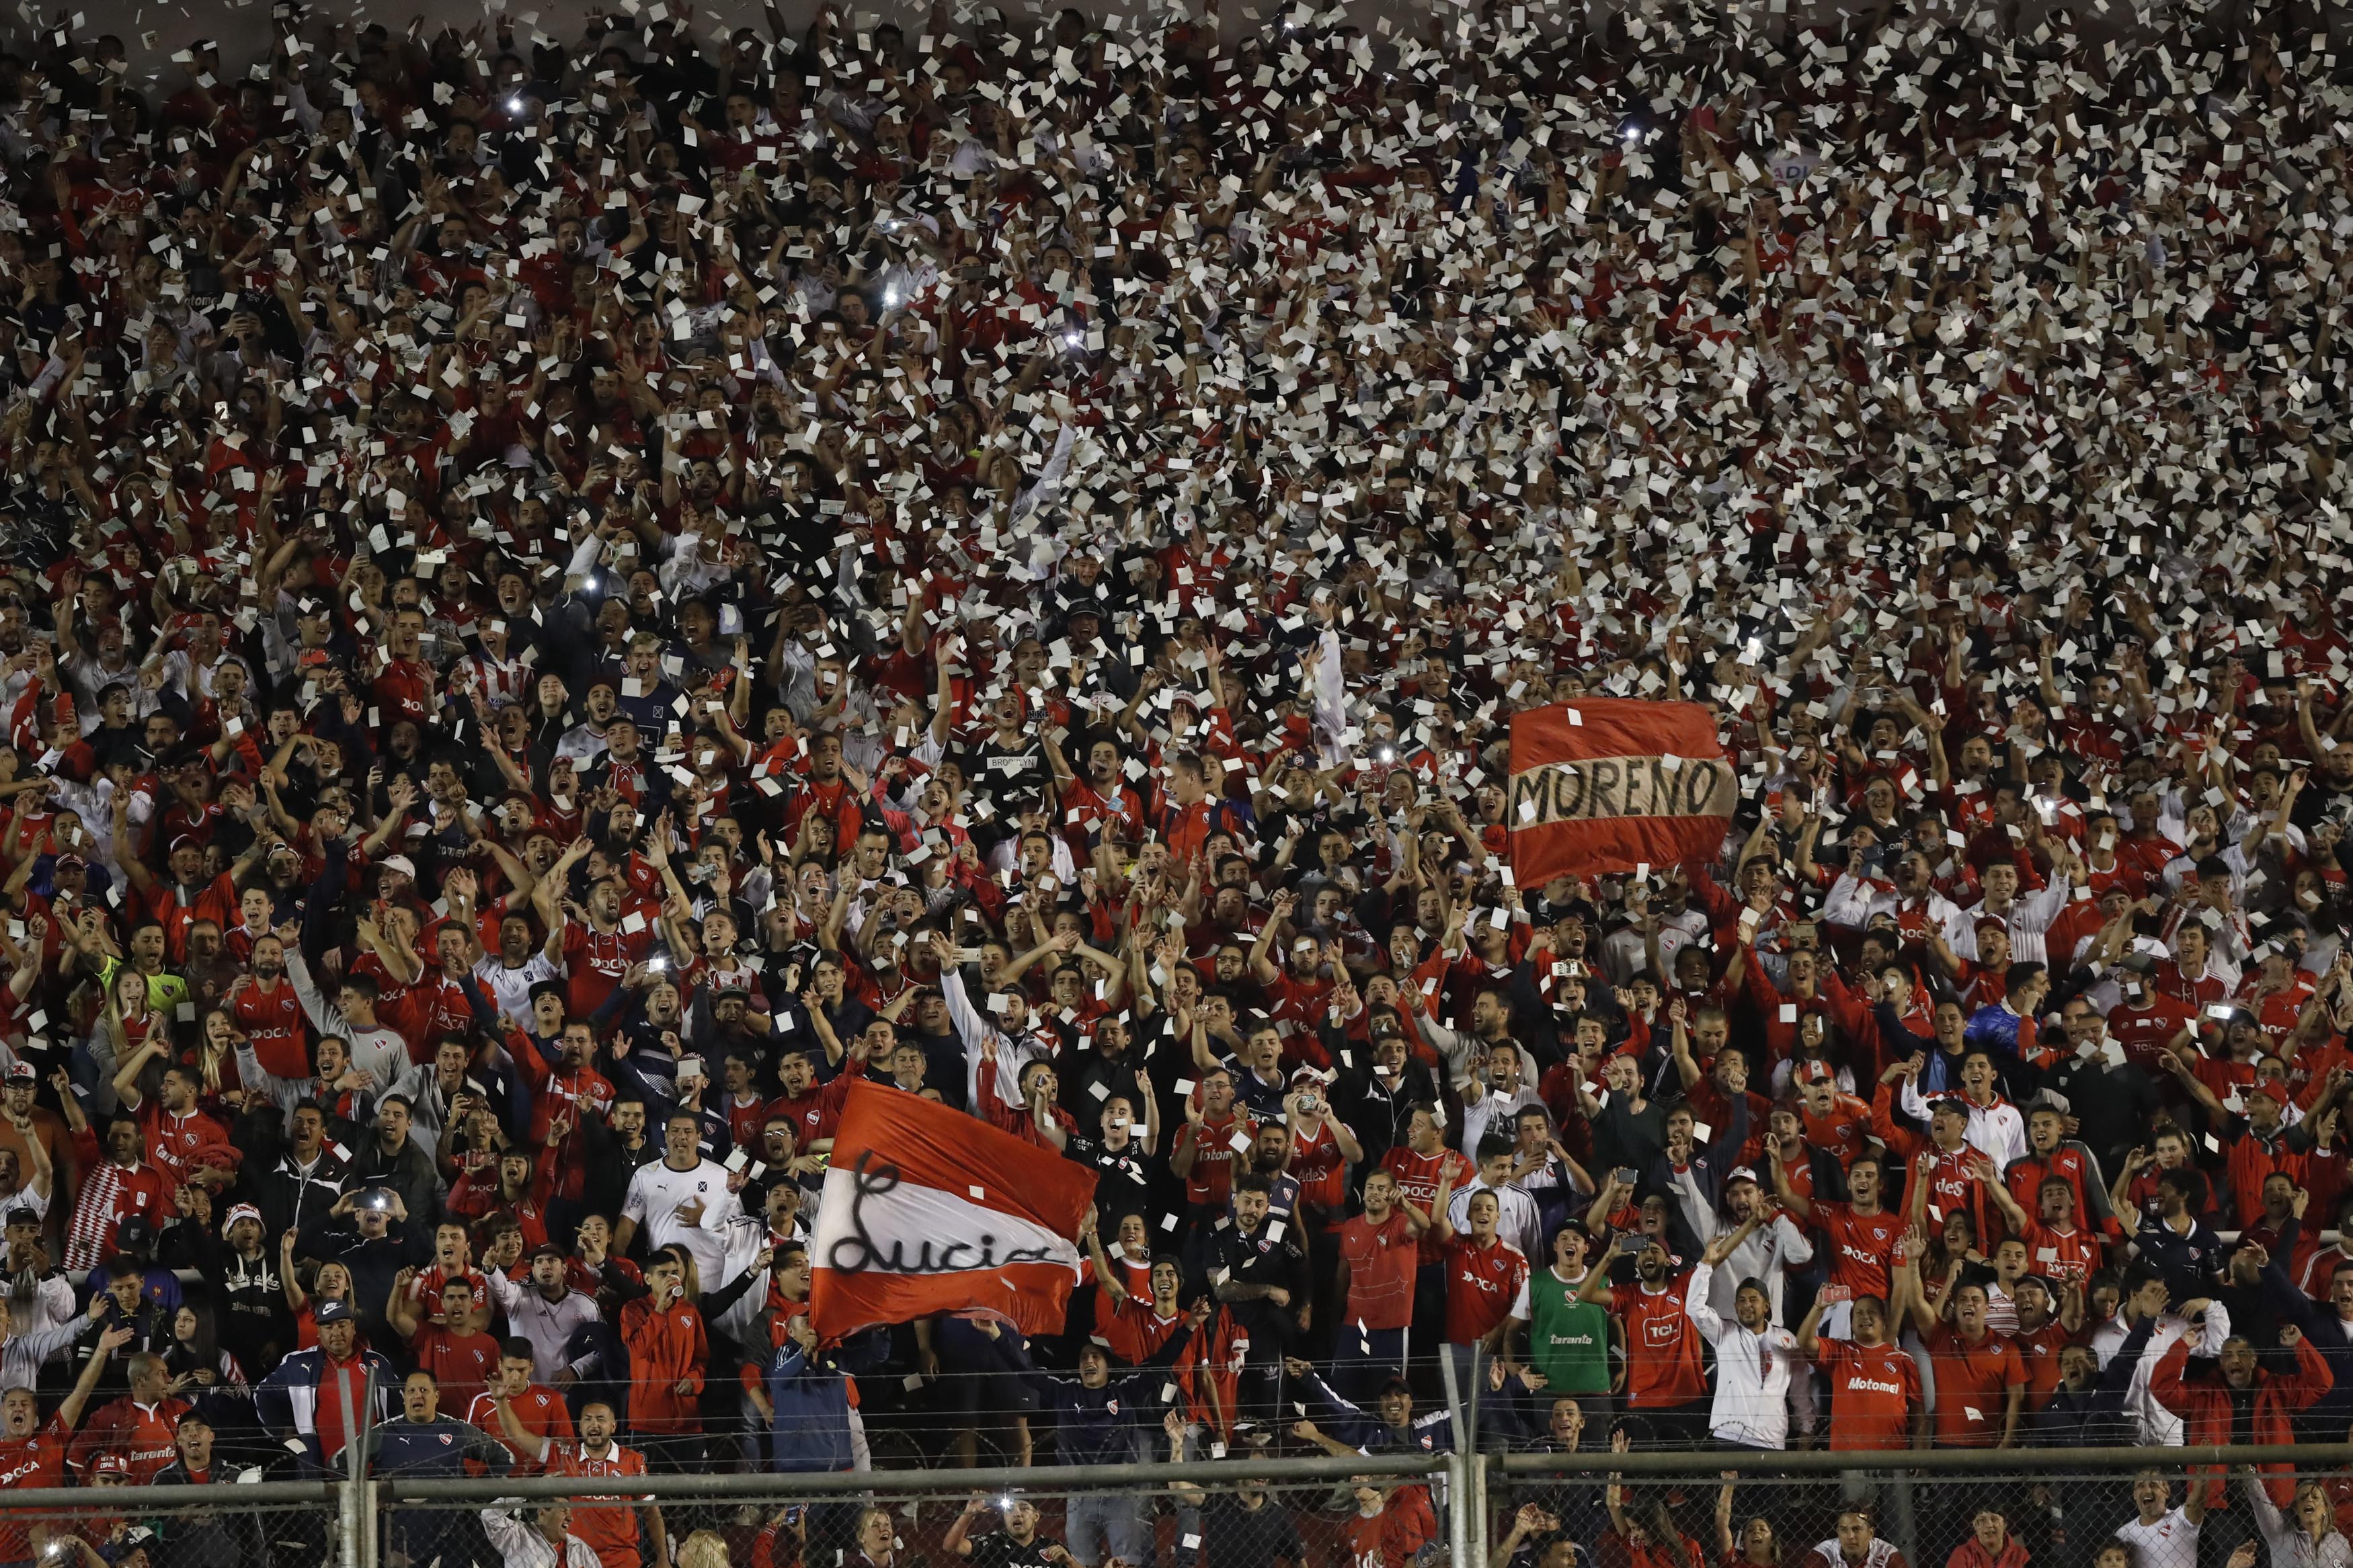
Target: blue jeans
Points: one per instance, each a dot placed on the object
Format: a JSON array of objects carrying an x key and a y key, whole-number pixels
[{"x": 1097, "y": 1525}]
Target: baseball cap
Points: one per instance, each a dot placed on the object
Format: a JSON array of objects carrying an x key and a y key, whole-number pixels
[
  {"x": 1739, "y": 1173},
  {"x": 71, "y": 863},
  {"x": 548, "y": 1249},
  {"x": 136, "y": 1539},
  {"x": 336, "y": 1312},
  {"x": 21, "y": 1071},
  {"x": 111, "y": 1465},
  {"x": 400, "y": 863},
  {"x": 185, "y": 841}
]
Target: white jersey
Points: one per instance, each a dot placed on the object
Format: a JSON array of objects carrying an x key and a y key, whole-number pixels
[
  {"x": 510, "y": 988},
  {"x": 2170, "y": 1542},
  {"x": 656, "y": 1192}
]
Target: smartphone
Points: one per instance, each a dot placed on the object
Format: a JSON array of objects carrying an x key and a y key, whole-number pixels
[
  {"x": 1627, "y": 1176},
  {"x": 689, "y": 1067},
  {"x": 1630, "y": 1243}
]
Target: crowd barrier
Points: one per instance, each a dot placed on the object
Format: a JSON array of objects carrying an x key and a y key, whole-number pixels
[{"x": 2060, "y": 1506}]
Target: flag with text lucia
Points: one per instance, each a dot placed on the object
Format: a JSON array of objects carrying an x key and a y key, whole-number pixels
[
  {"x": 928, "y": 1210},
  {"x": 1615, "y": 784}
]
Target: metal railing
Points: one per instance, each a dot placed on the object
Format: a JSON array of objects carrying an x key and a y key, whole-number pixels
[{"x": 1457, "y": 1508}]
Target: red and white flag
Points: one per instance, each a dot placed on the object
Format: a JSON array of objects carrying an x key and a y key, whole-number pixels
[
  {"x": 929, "y": 1210},
  {"x": 1615, "y": 784}
]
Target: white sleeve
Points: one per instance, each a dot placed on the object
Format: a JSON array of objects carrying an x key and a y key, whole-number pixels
[
  {"x": 2037, "y": 913},
  {"x": 1331, "y": 702},
  {"x": 1794, "y": 1247},
  {"x": 2218, "y": 1329},
  {"x": 1695, "y": 1304},
  {"x": 323, "y": 1013},
  {"x": 1848, "y": 903},
  {"x": 634, "y": 1205}
]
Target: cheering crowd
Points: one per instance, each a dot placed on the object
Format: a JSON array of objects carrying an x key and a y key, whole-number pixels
[{"x": 568, "y": 599}]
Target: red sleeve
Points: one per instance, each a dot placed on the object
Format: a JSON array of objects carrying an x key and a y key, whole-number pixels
[
  {"x": 2311, "y": 1379},
  {"x": 2165, "y": 1382}
]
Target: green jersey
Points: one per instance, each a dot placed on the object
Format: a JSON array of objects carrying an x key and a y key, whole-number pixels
[{"x": 1568, "y": 1340}]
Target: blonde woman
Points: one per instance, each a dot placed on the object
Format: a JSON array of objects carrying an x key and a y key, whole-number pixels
[
  {"x": 703, "y": 1549},
  {"x": 2305, "y": 1536}
]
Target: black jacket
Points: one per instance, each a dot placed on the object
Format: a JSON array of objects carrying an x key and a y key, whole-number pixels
[{"x": 222, "y": 1538}]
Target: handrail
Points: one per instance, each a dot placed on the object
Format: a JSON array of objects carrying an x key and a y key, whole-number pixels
[
  {"x": 1928, "y": 1461},
  {"x": 1046, "y": 1478}
]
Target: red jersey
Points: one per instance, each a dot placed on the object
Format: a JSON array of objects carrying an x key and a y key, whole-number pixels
[
  {"x": 26, "y": 1464},
  {"x": 607, "y": 1523},
  {"x": 1485, "y": 1285},
  {"x": 1381, "y": 1262},
  {"x": 2038, "y": 1350},
  {"x": 2073, "y": 1254},
  {"x": 595, "y": 961},
  {"x": 1845, "y": 1132},
  {"x": 1417, "y": 1178},
  {"x": 541, "y": 1412},
  {"x": 177, "y": 1144},
  {"x": 1973, "y": 1384},
  {"x": 1133, "y": 1331},
  {"x": 1662, "y": 1348},
  {"x": 2143, "y": 1031},
  {"x": 1209, "y": 1184},
  {"x": 463, "y": 1364},
  {"x": 1874, "y": 1390},
  {"x": 142, "y": 1434},
  {"x": 272, "y": 1019},
  {"x": 1861, "y": 1245}
]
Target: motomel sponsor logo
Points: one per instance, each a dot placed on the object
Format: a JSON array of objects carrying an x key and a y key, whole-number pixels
[{"x": 1873, "y": 1385}]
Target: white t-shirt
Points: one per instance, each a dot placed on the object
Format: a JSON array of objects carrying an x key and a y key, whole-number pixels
[
  {"x": 2170, "y": 1542},
  {"x": 510, "y": 988},
  {"x": 657, "y": 1191}
]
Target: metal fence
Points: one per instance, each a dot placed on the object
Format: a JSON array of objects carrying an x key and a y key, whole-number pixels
[{"x": 2172, "y": 1508}]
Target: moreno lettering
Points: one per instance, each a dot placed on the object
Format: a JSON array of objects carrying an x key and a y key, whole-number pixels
[
  {"x": 871, "y": 1177},
  {"x": 1597, "y": 787}
]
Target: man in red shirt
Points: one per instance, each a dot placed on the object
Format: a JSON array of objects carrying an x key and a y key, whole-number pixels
[
  {"x": 137, "y": 1427},
  {"x": 1980, "y": 1379},
  {"x": 182, "y": 1141},
  {"x": 1666, "y": 1382},
  {"x": 2057, "y": 1244},
  {"x": 1379, "y": 1253},
  {"x": 524, "y": 1415},
  {"x": 1875, "y": 1383},
  {"x": 1980, "y": 1382},
  {"x": 1486, "y": 1285},
  {"x": 2146, "y": 1022},
  {"x": 1422, "y": 1164},
  {"x": 598, "y": 953},
  {"x": 462, "y": 1359},
  {"x": 269, "y": 1011},
  {"x": 608, "y": 1524},
  {"x": 1860, "y": 1235},
  {"x": 33, "y": 1453}
]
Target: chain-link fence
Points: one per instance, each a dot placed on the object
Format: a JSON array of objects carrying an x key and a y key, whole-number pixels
[{"x": 2161, "y": 1508}]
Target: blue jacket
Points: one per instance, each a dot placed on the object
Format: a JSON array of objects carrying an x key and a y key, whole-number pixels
[
  {"x": 287, "y": 1401},
  {"x": 1097, "y": 1426},
  {"x": 810, "y": 1429},
  {"x": 1431, "y": 1431},
  {"x": 436, "y": 1448}
]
